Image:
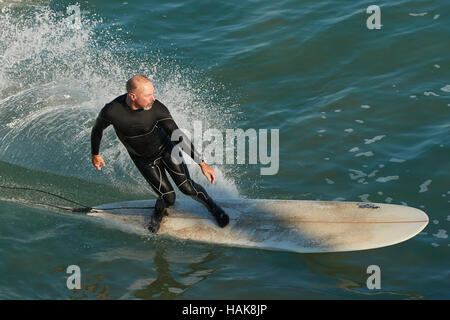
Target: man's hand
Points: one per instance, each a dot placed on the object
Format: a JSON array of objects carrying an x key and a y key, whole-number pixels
[
  {"x": 97, "y": 161},
  {"x": 208, "y": 172}
]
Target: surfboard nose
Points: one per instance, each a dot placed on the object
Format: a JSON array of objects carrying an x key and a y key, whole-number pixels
[{"x": 419, "y": 215}]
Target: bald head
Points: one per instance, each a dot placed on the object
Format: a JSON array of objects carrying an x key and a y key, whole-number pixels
[
  {"x": 137, "y": 81},
  {"x": 140, "y": 92}
]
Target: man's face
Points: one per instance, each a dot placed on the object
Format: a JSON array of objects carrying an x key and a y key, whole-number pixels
[{"x": 144, "y": 96}]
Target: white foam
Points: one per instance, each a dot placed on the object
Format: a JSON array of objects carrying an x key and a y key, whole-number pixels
[
  {"x": 49, "y": 71},
  {"x": 358, "y": 174},
  {"x": 354, "y": 149},
  {"x": 372, "y": 174},
  {"x": 387, "y": 179},
  {"x": 364, "y": 197},
  {"x": 329, "y": 181},
  {"x": 397, "y": 160},
  {"x": 365, "y": 106},
  {"x": 430, "y": 93},
  {"x": 418, "y": 14},
  {"x": 365, "y": 154},
  {"x": 424, "y": 186},
  {"x": 442, "y": 234},
  {"x": 175, "y": 290},
  {"x": 350, "y": 130},
  {"x": 446, "y": 88},
  {"x": 377, "y": 138}
]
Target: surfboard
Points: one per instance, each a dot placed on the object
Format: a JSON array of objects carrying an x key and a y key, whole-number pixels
[{"x": 285, "y": 225}]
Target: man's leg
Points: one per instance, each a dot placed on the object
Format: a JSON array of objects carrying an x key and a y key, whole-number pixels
[
  {"x": 154, "y": 173},
  {"x": 180, "y": 176}
]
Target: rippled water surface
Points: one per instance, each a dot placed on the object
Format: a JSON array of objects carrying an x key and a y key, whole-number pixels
[{"x": 363, "y": 115}]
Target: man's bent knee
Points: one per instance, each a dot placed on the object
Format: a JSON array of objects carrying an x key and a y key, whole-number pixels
[
  {"x": 169, "y": 198},
  {"x": 188, "y": 188}
]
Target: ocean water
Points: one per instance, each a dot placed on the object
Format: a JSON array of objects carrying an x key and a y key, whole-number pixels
[{"x": 363, "y": 115}]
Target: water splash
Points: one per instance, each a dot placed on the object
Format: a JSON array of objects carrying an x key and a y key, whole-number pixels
[{"x": 55, "y": 78}]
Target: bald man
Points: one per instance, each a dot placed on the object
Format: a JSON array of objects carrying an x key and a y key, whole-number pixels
[{"x": 145, "y": 126}]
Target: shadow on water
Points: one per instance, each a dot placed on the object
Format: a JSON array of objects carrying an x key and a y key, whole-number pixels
[
  {"x": 166, "y": 286},
  {"x": 168, "y": 279}
]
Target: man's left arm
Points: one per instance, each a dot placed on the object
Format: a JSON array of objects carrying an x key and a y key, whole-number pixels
[{"x": 169, "y": 125}]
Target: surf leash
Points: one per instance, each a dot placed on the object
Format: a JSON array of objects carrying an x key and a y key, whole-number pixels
[{"x": 82, "y": 209}]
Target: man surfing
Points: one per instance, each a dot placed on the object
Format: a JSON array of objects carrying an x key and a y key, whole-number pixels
[{"x": 145, "y": 126}]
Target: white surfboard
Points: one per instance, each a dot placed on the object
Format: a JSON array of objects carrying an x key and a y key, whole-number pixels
[{"x": 287, "y": 225}]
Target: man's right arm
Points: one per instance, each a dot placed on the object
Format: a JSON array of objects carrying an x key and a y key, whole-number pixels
[
  {"x": 96, "y": 137},
  {"x": 97, "y": 134}
]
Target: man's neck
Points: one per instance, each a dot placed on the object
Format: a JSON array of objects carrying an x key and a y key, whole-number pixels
[{"x": 130, "y": 103}]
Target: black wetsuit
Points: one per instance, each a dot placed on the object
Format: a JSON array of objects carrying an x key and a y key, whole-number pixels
[{"x": 146, "y": 134}]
